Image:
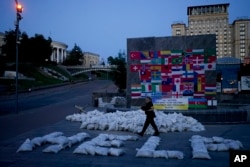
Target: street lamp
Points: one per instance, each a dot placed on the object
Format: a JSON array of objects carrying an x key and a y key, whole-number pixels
[{"x": 19, "y": 10}]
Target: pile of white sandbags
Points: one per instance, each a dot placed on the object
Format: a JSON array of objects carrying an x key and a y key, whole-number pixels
[
  {"x": 201, "y": 145},
  {"x": 56, "y": 139},
  {"x": 148, "y": 150},
  {"x": 104, "y": 144},
  {"x": 133, "y": 121}
]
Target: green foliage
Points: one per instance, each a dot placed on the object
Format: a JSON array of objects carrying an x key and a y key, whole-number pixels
[
  {"x": 75, "y": 55},
  {"x": 35, "y": 50},
  {"x": 119, "y": 75}
]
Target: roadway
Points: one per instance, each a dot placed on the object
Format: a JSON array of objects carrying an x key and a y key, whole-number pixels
[{"x": 44, "y": 107}]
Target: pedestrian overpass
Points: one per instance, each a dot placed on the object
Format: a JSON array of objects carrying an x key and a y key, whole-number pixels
[{"x": 76, "y": 70}]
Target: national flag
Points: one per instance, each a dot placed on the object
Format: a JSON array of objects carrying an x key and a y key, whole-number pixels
[
  {"x": 146, "y": 87},
  {"x": 198, "y": 51},
  {"x": 187, "y": 67},
  {"x": 188, "y": 51},
  {"x": 156, "y": 61},
  {"x": 155, "y": 67},
  {"x": 210, "y": 91},
  {"x": 135, "y": 91},
  {"x": 176, "y": 52},
  {"x": 155, "y": 76},
  {"x": 177, "y": 67},
  {"x": 153, "y": 54},
  {"x": 156, "y": 87},
  {"x": 199, "y": 94},
  {"x": 176, "y": 60},
  {"x": 145, "y": 75},
  {"x": 188, "y": 58},
  {"x": 199, "y": 82},
  {"x": 144, "y": 55},
  {"x": 166, "y": 61},
  {"x": 135, "y": 68},
  {"x": 176, "y": 84},
  {"x": 166, "y": 88},
  {"x": 135, "y": 55},
  {"x": 176, "y": 95},
  {"x": 210, "y": 59},
  {"x": 166, "y": 68},
  {"x": 197, "y": 59},
  {"x": 145, "y": 67},
  {"x": 164, "y": 53},
  {"x": 210, "y": 66},
  {"x": 188, "y": 89},
  {"x": 145, "y": 61},
  {"x": 188, "y": 74},
  {"x": 197, "y": 103},
  {"x": 198, "y": 67}
]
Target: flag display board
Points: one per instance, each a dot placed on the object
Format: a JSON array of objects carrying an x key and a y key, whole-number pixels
[{"x": 175, "y": 79}]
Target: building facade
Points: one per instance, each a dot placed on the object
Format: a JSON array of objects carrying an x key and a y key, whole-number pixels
[
  {"x": 59, "y": 52},
  {"x": 90, "y": 59},
  {"x": 231, "y": 39}
]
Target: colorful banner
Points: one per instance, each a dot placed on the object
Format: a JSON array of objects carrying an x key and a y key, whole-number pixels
[{"x": 175, "y": 74}]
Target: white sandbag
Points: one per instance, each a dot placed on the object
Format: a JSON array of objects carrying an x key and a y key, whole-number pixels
[
  {"x": 27, "y": 145},
  {"x": 90, "y": 149},
  {"x": 79, "y": 137},
  {"x": 115, "y": 151},
  {"x": 80, "y": 150},
  {"x": 175, "y": 154},
  {"x": 199, "y": 149},
  {"x": 127, "y": 137},
  {"x": 233, "y": 144},
  {"x": 102, "y": 143},
  {"x": 207, "y": 140},
  {"x": 38, "y": 141},
  {"x": 222, "y": 147},
  {"x": 84, "y": 125},
  {"x": 116, "y": 143},
  {"x": 61, "y": 140},
  {"x": 52, "y": 135},
  {"x": 101, "y": 151},
  {"x": 160, "y": 154},
  {"x": 218, "y": 139},
  {"x": 212, "y": 147},
  {"x": 145, "y": 153},
  {"x": 53, "y": 148}
]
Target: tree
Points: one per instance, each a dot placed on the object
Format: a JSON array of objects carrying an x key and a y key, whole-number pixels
[
  {"x": 119, "y": 75},
  {"x": 34, "y": 50},
  {"x": 40, "y": 49},
  {"x": 74, "y": 57},
  {"x": 9, "y": 48}
]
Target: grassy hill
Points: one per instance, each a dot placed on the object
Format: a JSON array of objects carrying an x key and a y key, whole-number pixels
[{"x": 36, "y": 77}]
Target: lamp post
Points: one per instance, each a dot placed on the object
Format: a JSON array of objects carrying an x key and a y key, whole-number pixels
[{"x": 19, "y": 10}]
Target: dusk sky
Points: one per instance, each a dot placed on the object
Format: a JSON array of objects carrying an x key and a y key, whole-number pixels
[{"x": 103, "y": 26}]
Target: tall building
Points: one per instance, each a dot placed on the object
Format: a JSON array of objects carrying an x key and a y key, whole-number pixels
[{"x": 231, "y": 39}]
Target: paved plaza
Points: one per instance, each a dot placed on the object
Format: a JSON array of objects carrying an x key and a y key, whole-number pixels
[{"x": 178, "y": 141}]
